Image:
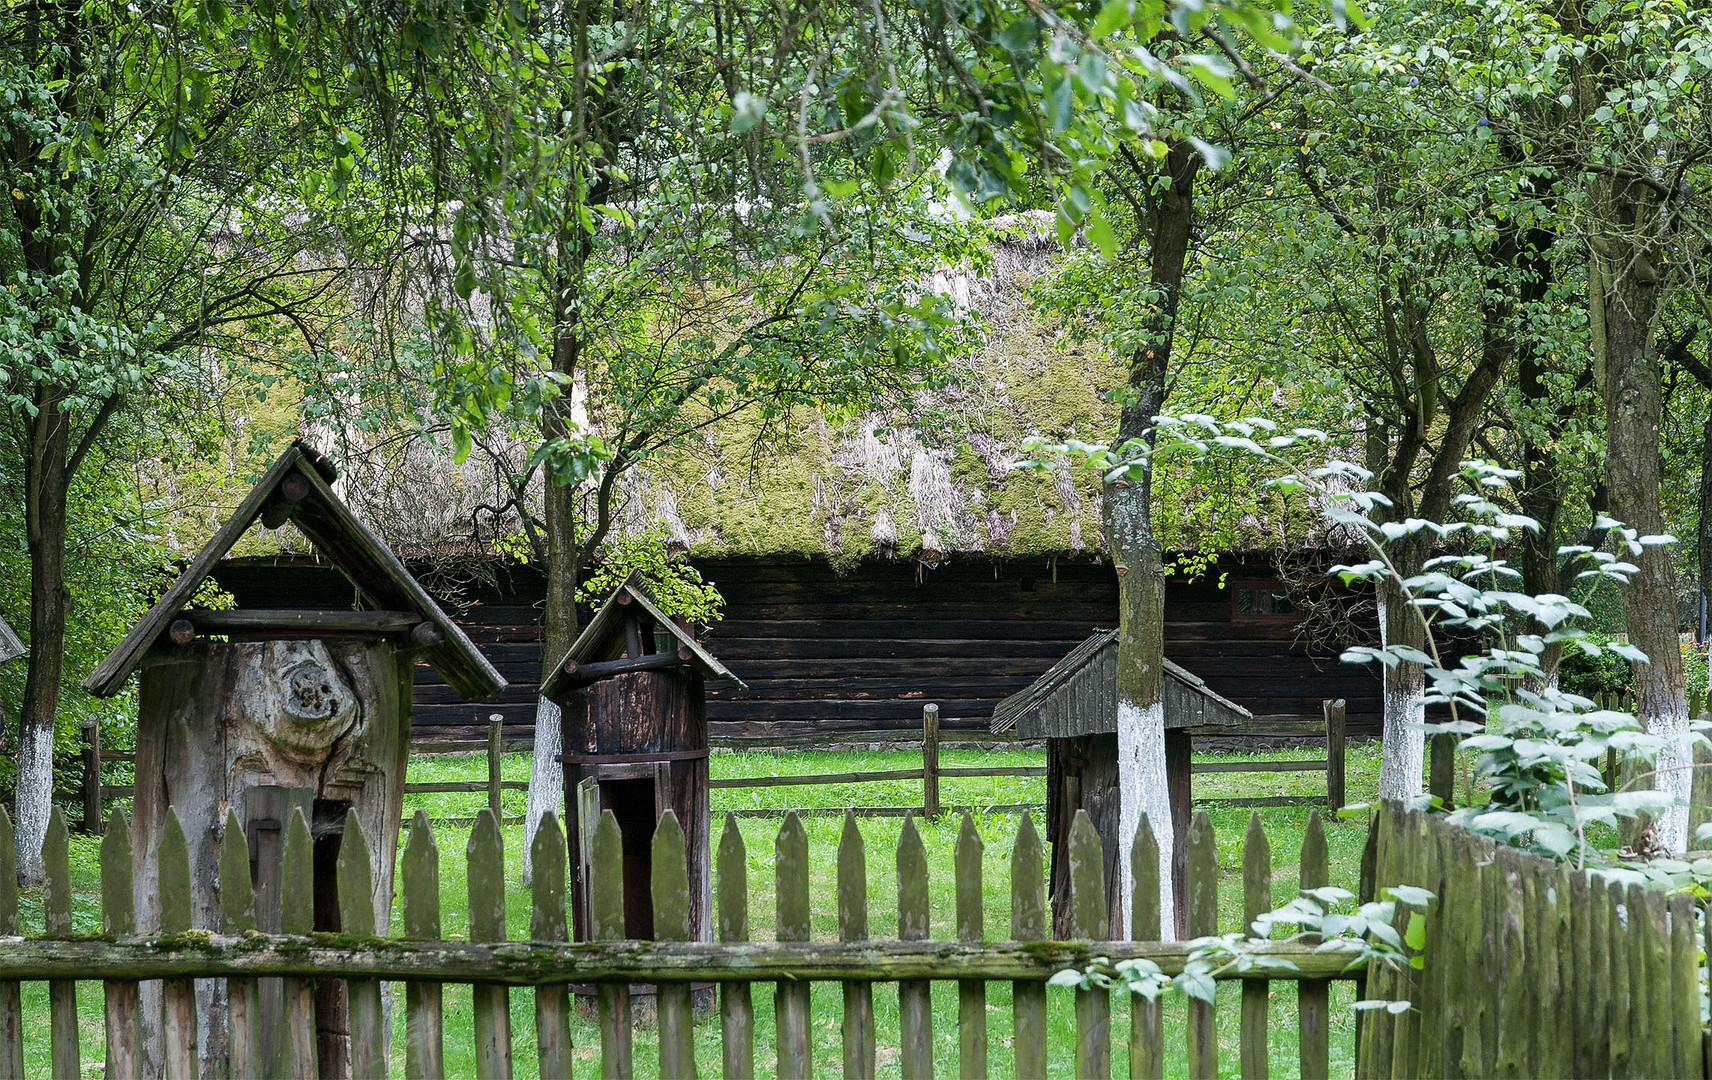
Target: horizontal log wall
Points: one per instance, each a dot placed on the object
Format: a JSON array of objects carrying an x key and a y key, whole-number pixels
[{"x": 823, "y": 653}]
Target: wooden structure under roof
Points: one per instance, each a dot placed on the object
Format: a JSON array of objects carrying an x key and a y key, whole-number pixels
[
  {"x": 1074, "y": 708},
  {"x": 270, "y": 713},
  {"x": 634, "y": 736}
]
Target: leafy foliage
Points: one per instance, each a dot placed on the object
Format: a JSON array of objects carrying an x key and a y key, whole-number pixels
[{"x": 665, "y": 568}]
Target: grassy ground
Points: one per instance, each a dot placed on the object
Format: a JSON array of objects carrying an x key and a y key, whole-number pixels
[{"x": 1283, "y": 825}]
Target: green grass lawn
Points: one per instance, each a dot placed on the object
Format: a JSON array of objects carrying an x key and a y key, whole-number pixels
[{"x": 1284, "y": 826}]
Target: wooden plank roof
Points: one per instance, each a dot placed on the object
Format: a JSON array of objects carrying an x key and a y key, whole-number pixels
[
  {"x": 11, "y": 645},
  {"x": 603, "y": 637},
  {"x": 347, "y": 543},
  {"x": 1078, "y": 696}
]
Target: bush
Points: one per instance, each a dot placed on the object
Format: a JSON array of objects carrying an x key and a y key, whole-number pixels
[{"x": 1593, "y": 676}]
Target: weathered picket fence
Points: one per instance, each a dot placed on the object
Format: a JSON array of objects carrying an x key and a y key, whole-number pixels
[
  {"x": 235, "y": 952},
  {"x": 1530, "y": 968}
]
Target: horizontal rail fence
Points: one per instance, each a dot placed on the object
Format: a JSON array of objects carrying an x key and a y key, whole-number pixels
[
  {"x": 930, "y": 773},
  {"x": 1329, "y": 727},
  {"x": 1530, "y": 968},
  {"x": 859, "y": 959},
  {"x": 94, "y": 792}
]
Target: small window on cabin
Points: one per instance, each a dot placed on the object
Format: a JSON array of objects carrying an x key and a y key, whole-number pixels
[{"x": 1262, "y": 600}]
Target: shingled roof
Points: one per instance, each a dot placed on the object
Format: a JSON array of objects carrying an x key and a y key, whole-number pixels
[
  {"x": 310, "y": 504},
  {"x": 11, "y": 645},
  {"x": 603, "y": 638},
  {"x": 1078, "y": 696}
]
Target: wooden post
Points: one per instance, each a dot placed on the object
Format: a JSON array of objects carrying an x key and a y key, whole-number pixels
[
  {"x": 915, "y": 1003},
  {"x": 791, "y": 1021},
  {"x": 1146, "y": 1042},
  {"x": 485, "y": 855},
  {"x": 56, "y": 921},
  {"x": 1028, "y": 923},
  {"x": 419, "y": 910},
  {"x": 930, "y": 760},
  {"x": 547, "y": 923},
  {"x": 736, "y": 1004},
  {"x": 971, "y": 926},
  {"x": 859, "y": 1048},
  {"x": 1313, "y": 996},
  {"x": 1256, "y": 901},
  {"x": 92, "y": 777},
  {"x": 1089, "y": 922},
  {"x": 669, "y": 886},
  {"x": 494, "y": 723},
  {"x": 119, "y": 919},
  {"x": 1441, "y": 775},
  {"x": 1334, "y": 710},
  {"x": 11, "y": 999},
  {"x": 1203, "y": 889}
]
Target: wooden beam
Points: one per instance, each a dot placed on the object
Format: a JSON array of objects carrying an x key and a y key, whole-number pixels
[
  {"x": 200, "y": 954},
  {"x": 302, "y": 621},
  {"x": 576, "y": 673}
]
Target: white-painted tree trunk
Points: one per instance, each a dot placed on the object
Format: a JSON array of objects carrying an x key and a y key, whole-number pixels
[
  {"x": 1143, "y": 790},
  {"x": 1403, "y": 749},
  {"x": 1675, "y": 776},
  {"x": 35, "y": 800},
  {"x": 546, "y": 776}
]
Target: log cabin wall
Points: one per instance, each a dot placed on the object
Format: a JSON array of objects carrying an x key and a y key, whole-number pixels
[{"x": 864, "y": 651}]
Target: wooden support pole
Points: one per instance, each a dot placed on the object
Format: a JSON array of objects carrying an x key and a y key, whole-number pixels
[
  {"x": 1334, "y": 710},
  {"x": 930, "y": 760},
  {"x": 92, "y": 777},
  {"x": 1441, "y": 773},
  {"x": 579, "y": 673},
  {"x": 494, "y": 724}
]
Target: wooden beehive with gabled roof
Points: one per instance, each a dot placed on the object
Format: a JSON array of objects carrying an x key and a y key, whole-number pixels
[
  {"x": 634, "y": 736},
  {"x": 1074, "y": 707},
  {"x": 269, "y": 712}
]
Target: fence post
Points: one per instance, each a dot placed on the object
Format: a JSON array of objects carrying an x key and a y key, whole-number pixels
[
  {"x": 494, "y": 723},
  {"x": 930, "y": 760},
  {"x": 1441, "y": 774},
  {"x": 92, "y": 777},
  {"x": 1334, "y": 711}
]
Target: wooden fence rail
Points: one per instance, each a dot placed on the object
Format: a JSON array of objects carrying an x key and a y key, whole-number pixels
[{"x": 859, "y": 959}]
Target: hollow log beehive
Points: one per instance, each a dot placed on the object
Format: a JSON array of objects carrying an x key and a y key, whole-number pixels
[
  {"x": 267, "y": 712},
  {"x": 634, "y": 713}
]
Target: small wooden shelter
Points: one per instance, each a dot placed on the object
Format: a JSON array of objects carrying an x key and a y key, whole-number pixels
[
  {"x": 11, "y": 645},
  {"x": 1074, "y": 708},
  {"x": 634, "y": 713},
  {"x": 266, "y": 712}
]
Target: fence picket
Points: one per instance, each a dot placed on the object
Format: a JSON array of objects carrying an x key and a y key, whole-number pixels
[
  {"x": 56, "y": 920},
  {"x": 1256, "y": 901},
  {"x": 119, "y": 919},
  {"x": 1203, "y": 888},
  {"x": 1146, "y": 1035},
  {"x": 295, "y": 1052},
  {"x": 1028, "y": 923},
  {"x": 1413, "y": 867},
  {"x": 736, "y": 1004},
  {"x": 355, "y": 880},
  {"x": 237, "y": 916},
  {"x": 547, "y": 860},
  {"x": 915, "y": 1001},
  {"x": 1622, "y": 1008},
  {"x": 1655, "y": 936},
  {"x": 419, "y": 916},
  {"x": 669, "y": 884},
  {"x": 1688, "y": 1060},
  {"x": 11, "y": 994},
  {"x": 858, "y": 1025},
  {"x": 1313, "y": 996},
  {"x": 1088, "y": 920},
  {"x": 790, "y": 999},
  {"x": 178, "y": 995},
  {"x": 486, "y": 856},
  {"x": 606, "y": 923},
  {"x": 971, "y": 926}
]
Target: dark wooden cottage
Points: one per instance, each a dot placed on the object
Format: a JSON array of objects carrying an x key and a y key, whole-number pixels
[
  {"x": 1074, "y": 708},
  {"x": 634, "y": 736},
  {"x": 268, "y": 711},
  {"x": 860, "y": 648}
]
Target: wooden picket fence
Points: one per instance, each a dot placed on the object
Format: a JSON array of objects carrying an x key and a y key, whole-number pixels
[
  {"x": 1530, "y": 968},
  {"x": 178, "y": 954}
]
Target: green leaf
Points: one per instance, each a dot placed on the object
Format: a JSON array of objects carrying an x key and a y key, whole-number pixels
[
  {"x": 1099, "y": 228},
  {"x": 1416, "y": 935}
]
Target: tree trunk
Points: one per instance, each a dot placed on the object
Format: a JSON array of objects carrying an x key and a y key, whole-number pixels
[
  {"x": 558, "y": 634},
  {"x": 1623, "y": 290},
  {"x": 45, "y": 482},
  {"x": 1128, "y": 513},
  {"x": 1402, "y": 748}
]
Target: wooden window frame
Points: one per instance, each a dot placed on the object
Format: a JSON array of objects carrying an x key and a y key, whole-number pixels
[{"x": 1260, "y": 585}]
